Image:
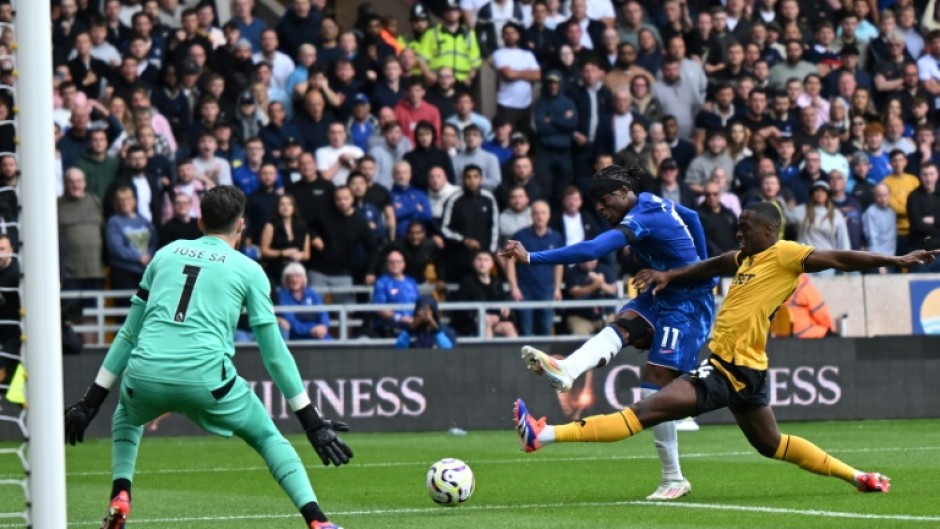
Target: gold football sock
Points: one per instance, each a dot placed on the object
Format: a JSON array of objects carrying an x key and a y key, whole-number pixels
[
  {"x": 810, "y": 457},
  {"x": 600, "y": 428}
]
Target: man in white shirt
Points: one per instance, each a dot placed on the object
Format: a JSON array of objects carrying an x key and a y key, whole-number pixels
[
  {"x": 281, "y": 65},
  {"x": 517, "y": 69},
  {"x": 623, "y": 118},
  {"x": 337, "y": 159},
  {"x": 211, "y": 169}
]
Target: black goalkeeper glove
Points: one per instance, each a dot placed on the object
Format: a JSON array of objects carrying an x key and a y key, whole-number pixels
[
  {"x": 322, "y": 435},
  {"x": 79, "y": 415}
]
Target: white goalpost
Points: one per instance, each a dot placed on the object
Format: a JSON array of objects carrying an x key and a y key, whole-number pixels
[{"x": 40, "y": 265}]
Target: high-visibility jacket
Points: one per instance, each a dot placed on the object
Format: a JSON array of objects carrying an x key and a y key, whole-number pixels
[
  {"x": 808, "y": 311},
  {"x": 458, "y": 51}
]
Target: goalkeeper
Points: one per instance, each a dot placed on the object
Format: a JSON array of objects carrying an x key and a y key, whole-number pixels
[{"x": 175, "y": 353}]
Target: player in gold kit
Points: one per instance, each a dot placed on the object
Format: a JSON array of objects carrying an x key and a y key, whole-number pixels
[{"x": 766, "y": 272}]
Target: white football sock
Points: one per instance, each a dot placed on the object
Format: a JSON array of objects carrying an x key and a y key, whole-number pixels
[
  {"x": 666, "y": 440},
  {"x": 547, "y": 435},
  {"x": 601, "y": 348}
]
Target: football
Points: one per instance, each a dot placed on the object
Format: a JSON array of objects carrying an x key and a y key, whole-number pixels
[{"x": 450, "y": 482}]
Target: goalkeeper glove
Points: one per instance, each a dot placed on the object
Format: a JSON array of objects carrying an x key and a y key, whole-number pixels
[
  {"x": 79, "y": 415},
  {"x": 322, "y": 435}
]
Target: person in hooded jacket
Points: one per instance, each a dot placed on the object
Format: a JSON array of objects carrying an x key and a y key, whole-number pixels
[
  {"x": 426, "y": 330},
  {"x": 426, "y": 155}
]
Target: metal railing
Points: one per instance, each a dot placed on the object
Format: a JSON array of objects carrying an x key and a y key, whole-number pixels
[{"x": 344, "y": 318}]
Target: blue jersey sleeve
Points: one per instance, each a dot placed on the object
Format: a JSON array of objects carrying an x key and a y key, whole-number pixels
[
  {"x": 691, "y": 219},
  {"x": 603, "y": 244}
]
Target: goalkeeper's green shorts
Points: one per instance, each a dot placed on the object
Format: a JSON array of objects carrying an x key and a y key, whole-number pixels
[{"x": 224, "y": 411}]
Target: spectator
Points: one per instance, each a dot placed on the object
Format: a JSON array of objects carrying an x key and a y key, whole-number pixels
[
  {"x": 426, "y": 331},
  {"x": 850, "y": 207},
  {"x": 474, "y": 155},
  {"x": 148, "y": 190},
  {"x": 499, "y": 144},
  {"x": 812, "y": 172},
  {"x": 901, "y": 185},
  {"x": 427, "y": 155},
  {"x": 410, "y": 204},
  {"x": 102, "y": 168},
  {"x": 281, "y": 64},
  {"x": 422, "y": 256},
  {"x": 793, "y": 67},
  {"x": 186, "y": 184},
  {"x": 465, "y": 116},
  {"x": 453, "y": 45},
  {"x": 719, "y": 222},
  {"x": 88, "y": 72},
  {"x": 313, "y": 120},
  {"x": 443, "y": 93},
  {"x": 923, "y": 207},
  {"x": 669, "y": 186},
  {"x": 517, "y": 214},
  {"x": 262, "y": 203},
  {"x": 587, "y": 281},
  {"x": 80, "y": 235},
  {"x": 518, "y": 70},
  {"x": 348, "y": 247},
  {"x": 724, "y": 112},
  {"x": 703, "y": 165},
  {"x": 131, "y": 241},
  {"x": 394, "y": 286},
  {"x": 248, "y": 26},
  {"x": 860, "y": 187},
  {"x": 277, "y": 133},
  {"x": 391, "y": 88},
  {"x": 830, "y": 152},
  {"x": 880, "y": 224},
  {"x": 521, "y": 176},
  {"x": 594, "y": 104},
  {"x": 314, "y": 194},
  {"x": 556, "y": 119},
  {"x": 678, "y": 97},
  {"x": 536, "y": 282},
  {"x": 413, "y": 109},
  {"x": 381, "y": 229},
  {"x": 483, "y": 286},
  {"x": 245, "y": 177},
  {"x": 389, "y": 152},
  {"x": 298, "y": 26},
  {"x": 818, "y": 222},
  {"x": 284, "y": 239},
  {"x": 209, "y": 167},
  {"x": 439, "y": 190},
  {"x": 182, "y": 225},
  {"x": 809, "y": 314},
  {"x": 294, "y": 292},
  {"x": 878, "y": 159},
  {"x": 337, "y": 158},
  {"x": 469, "y": 223}
]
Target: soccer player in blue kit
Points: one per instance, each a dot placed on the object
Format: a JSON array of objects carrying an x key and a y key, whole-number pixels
[
  {"x": 673, "y": 326},
  {"x": 175, "y": 354}
]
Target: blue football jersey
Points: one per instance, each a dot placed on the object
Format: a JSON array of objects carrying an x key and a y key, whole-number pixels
[{"x": 660, "y": 237}]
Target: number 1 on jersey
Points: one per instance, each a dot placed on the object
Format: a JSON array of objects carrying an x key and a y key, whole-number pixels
[{"x": 192, "y": 273}]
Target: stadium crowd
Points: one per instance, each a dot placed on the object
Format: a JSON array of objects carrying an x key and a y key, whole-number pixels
[{"x": 366, "y": 159}]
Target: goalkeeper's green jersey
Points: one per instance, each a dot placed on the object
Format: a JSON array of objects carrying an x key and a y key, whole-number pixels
[{"x": 195, "y": 292}]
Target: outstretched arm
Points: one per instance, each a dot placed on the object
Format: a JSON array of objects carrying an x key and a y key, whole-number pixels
[
  {"x": 725, "y": 264},
  {"x": 603, "y": 244},
  {"x": 851, "y": 260}
]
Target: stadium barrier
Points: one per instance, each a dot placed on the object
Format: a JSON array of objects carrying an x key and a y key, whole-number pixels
[
  {"x": 860, "y": 304},
  {"x": 473, "y": 386}
]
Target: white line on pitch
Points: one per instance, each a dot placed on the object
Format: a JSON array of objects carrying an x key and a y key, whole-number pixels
[
  {"x": 532, "y": 459},
  {"x": 490, "y": 508}
]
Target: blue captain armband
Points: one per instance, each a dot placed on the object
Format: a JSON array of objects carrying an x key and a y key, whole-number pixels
[{"x": 603, "y": 244}]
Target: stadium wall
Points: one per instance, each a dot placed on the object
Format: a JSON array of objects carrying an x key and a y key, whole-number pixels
[{"x": 473, "y": 387}]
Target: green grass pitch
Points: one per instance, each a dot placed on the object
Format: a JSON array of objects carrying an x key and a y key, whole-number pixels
[{"x": 206, "y": 482}]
